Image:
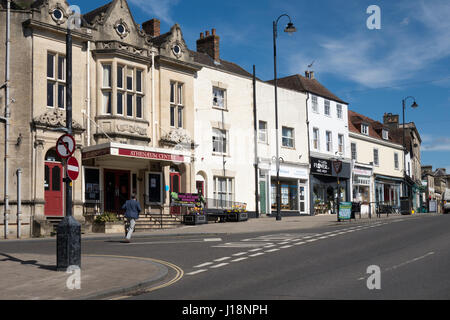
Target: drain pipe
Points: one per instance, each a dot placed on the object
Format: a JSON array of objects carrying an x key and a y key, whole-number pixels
[
  {"x": 19, "y": 204},
  {"x": 88, "y": 91},
  {"x": 7, "y": 115}
]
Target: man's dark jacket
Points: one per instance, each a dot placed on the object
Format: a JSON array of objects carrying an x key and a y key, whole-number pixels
[{"x": 132, "y": 208}]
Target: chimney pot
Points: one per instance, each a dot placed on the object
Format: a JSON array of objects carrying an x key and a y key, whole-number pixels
[
  {"x": 152, "y": 27},
  {"x": 307, "y": 74},
  {"x": 209, "y": 44},
  {"x": 311, "y": 74}
]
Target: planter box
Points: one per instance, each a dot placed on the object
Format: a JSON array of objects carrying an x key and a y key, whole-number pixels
[
  {"x": 237, "y": 216},
  {"x": 108, "y": 227},
  {"x": 193, "y": 219}
]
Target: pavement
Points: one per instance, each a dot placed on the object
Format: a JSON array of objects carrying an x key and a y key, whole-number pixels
[{"x": 33, "y": 276}]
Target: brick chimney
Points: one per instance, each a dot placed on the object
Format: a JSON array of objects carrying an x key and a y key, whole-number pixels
[
  {"x": 391, "y": 120},
  {"x": 209, "y": 44},
  {"x": 309, "y": 74},
  {"x": 152, "y": 27}
]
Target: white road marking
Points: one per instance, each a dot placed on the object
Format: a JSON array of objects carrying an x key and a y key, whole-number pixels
[
  {"x": 195, "y": 272},
  {"x": 253, "y": 250},
  {"x": 284, "y": 242},
  {"x": 240, "y": 253},
  {"x": 410, "y": 261},
  {"x": 272, "y": 250},
  {"x": 222, "y": 259},
  {"x": 285, "y": 247},
  {"x": 256, "y": 254},
  {"x": 239, "y": 259},
  {"x": 212, "y": 239},
  {"x": 311, "y": 240},
  {"x": 203, "y": 265},
  {"x": 269, "y": 246},
  {"x": 324, "y": 237},
  {"x": 219, "y": 265},
  {"x": 298, "y": 243}
]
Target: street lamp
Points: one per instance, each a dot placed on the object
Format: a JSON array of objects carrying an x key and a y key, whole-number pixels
[
  {"x": 414, "y": 105},
  {"x": 289, "y": 29}
]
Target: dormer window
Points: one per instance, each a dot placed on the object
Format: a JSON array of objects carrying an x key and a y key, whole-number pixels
[
  {"x": 385, "y": 134},
  {"x": 365, "y": 129}
]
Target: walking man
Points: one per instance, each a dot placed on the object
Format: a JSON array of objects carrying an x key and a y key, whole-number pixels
[{"x": 133, "y": 209}]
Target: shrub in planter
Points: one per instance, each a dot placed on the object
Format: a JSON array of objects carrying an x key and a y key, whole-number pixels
[{"x": 107, "y": 222}]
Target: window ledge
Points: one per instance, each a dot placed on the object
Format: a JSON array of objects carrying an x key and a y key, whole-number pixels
[{"x": 219, "y": 108}]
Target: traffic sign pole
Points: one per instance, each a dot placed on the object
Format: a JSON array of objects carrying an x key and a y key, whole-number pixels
[{"x": 69, "y": 230}]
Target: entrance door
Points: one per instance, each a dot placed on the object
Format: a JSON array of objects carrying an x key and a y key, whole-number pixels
[
  {"x": 302, "y": 198},
  {"x": 53, "y": 189},
  {"x": 200, "y": 186},
  {"x": 175, "y": 186},
  {"x": 262, "y": 197},
  {"x": 117, "y": 189}
]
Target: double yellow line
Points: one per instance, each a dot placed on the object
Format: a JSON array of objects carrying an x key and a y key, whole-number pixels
[{"x": 178, "y": 271}]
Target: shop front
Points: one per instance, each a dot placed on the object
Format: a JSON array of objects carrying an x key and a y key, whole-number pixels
[
  {"x": 294, "y": 189},
  {"x": 327, "y": 185},
  {"x": 362, "y": 186},
  {"x": 387, "y": 190},
  {"x": 113, "y": 171}
]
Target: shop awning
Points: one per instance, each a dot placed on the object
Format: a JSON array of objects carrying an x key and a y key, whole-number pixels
[
  {"x": 135, "y": 151},
  {"x": 381, "y": 177}
]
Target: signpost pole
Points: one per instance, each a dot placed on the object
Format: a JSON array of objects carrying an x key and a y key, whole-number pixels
[{"x": 68, "y": 243}]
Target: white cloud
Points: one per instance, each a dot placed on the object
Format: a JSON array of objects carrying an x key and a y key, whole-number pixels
[
  {"x": 159, "y": 8},
  {"x": 387, "y": 56},
  {"x": 430, "y": 143}
]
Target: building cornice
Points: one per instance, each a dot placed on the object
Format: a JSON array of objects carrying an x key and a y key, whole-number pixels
[{"x": 35, "y": 24}]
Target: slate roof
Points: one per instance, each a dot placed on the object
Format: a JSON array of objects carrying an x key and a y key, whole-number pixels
[
  {"x": 300, "y": 83},
  {"x": 205, "y": 59},
  {"x": 375, "y": 127}
]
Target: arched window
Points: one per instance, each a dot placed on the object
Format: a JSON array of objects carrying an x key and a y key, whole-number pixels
[{"x": 51, "y": 155}]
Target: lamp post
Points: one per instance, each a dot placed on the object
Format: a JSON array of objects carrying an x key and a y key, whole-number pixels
[
  {"x": 289, "y": 29},
  {"x": 414, "y": 105}
]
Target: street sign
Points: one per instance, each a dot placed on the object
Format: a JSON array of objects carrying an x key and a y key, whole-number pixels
[
  {"x": 65, "y": 146},
  {"x": 72, "y": 168}
]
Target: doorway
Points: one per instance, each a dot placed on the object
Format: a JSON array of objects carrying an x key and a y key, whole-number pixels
[
  {"x": 175, "y": 186},
  {"x": 53, "y": 186},
  {"x": 117, "y": 189}
]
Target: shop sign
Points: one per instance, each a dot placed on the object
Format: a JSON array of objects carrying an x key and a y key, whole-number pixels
[
  {"x": 321, "y": 166},
  {"x": 345, "y": 210},
  {"x": 362, "y": 172},
  {"x": 185, "y": 199},
  {"x": 150, "y": 155}
]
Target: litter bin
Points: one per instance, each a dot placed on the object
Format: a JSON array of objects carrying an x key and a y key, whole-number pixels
[{"x": 405, "y": 205}]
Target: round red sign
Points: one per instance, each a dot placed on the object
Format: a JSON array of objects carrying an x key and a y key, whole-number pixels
[{"x": 72, "y": 168}]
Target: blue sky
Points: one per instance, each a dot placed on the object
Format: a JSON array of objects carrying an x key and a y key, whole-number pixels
[{"x": 373, "y": 70}]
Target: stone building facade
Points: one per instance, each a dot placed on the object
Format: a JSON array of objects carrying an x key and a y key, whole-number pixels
[{"x": 133, "y": 119}]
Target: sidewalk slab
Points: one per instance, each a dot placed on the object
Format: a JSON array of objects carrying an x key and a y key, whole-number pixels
[{"x": 34, "y": 276}]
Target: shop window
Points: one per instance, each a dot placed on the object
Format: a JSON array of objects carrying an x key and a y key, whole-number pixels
[
  {"x": 288, "y": 195},
  {"x": 154, "y": 192},
  {"x": 91, "y": 184}
]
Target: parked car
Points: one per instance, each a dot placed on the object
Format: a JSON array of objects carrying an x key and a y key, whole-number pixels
[{"x": 447, "y": 201}]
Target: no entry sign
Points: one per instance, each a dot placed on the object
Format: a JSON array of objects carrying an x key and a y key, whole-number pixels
[{"x": 72, "y": 168}]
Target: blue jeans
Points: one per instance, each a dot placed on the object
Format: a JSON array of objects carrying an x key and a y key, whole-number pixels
[{"x": 131, "y": 223}]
